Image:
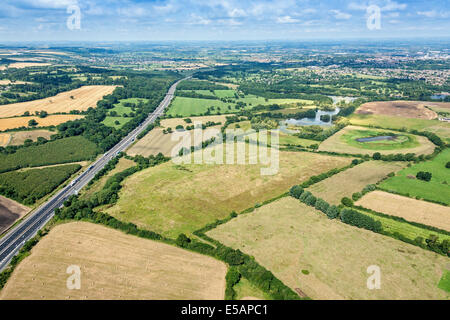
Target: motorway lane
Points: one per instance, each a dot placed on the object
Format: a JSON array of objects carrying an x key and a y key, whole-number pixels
[{"x": 11, "y": 243}]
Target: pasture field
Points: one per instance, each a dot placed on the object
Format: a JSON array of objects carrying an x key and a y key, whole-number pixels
[
  {"x": 294, "y": 140},
  {"x": 156, "y": 141},
  {"x": 345, "y": 141},
  {"x": 286, "y": 237},
  {"x": 184, "y": 107},
  {"x": 438, "y": 189},
  {"x": 401, "y": 141},
  {"x": 405, "y": 229},
  {"x": 18, "y": 138},
  {"x": 5, "y": 138},
  {"x": 352, "y": 180},
  {"x": 442, "y": 129},
  {"x": 114, "y": 266},
  {"x": 10, "y": 212},
  {"x": 404, "y": 109},
  {"x": 173, "y": 122},
  {"x": 122, "y": 165},
  {"x": 121, "y": 109},
  {"x": 162, "y": 198},
  {"x": 8, "y": 82},
  {"x": 423, "y": 212},
  {"x": 31, "y": 185},
  {"x": 115, "y": 122},
  {"x": 444, "y": 284},
  {"x": 53, "y": 120},
  {"x": 65, "y": 150},
  {"x": 79, "y": 99}
]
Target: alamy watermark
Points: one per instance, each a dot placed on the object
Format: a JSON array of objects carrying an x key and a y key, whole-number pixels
[
  {"x": 374, "y": 280},
  {"x": 234, "y": 146},
  {"x": 74, "y": 20},
  {"x": 73, "y": 282},
  {"x": 373, "y": 17}
]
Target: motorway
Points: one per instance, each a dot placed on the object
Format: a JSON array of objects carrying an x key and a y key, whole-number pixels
[{"x": 11, "y": 243}]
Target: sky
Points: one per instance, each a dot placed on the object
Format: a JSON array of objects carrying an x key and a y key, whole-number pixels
[{"x": 157, "y": 20}]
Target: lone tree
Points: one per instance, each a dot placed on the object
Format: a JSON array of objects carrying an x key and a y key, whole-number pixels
[
  {"x": 447, "y": 165},
  {"x": 425, "y": 176},
  {"x": 32, "y": 123}
]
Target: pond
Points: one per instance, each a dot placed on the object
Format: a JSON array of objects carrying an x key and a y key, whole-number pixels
[
  {"x": 441, "y": 96},
  {"x": 313, "y": 121},
  {"x": 379, "y": 138}
]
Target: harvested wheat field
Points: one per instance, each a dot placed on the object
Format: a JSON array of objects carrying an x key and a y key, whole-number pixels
[
  {"x": 8, "y": 82},
  {"x": 180, "y": 198},
  {"x": 5, "y": 138},
  {"x": 18, "y": 138},
  {"x": 156, "y": 142},
  {"x": 338, "y": 143},
  {"x": 54, "y": 120},
  {"x": 10, "y": 212},
  {"x": 288, "y": 237},
  {"x": 21, "y": 65},
  {"x": 352, "y": 180},
  {"x": 113, "y": 265},
  {"x": 79, "y": 99},
  {"x": 413, "y": 210},
  {"x": 406, "y": 109}
]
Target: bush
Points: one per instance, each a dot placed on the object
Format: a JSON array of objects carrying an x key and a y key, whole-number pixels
[
  {"x": 322, "y": 205},
  {"x": 347, "y": 202},
  {"x": 311, "y": 200},
  {"x": 296, "y": 191},
  {"x": 356, "y": 196},
  {"x": 425, "y": 176},
  {"x": 332, "y": 212},
  {"x": 447, "y": 165}
]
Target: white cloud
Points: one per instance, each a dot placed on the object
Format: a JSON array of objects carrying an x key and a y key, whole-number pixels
[
  {"x": 434, "y": 14},
  {"x": 392, "y": 6},
  {"x": 286, "y": 19},
  {"x": 50, "y": 4},
  {"x": 338, "y": 14},
  {"x": 196, "y": 19}
]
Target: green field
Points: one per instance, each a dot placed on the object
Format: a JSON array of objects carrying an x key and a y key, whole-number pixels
[
  {"x": 408, "y": 230},
  {"x": 111, "y": 121},
  {"x": 65, "y": 150},
  {"x": 444, "y": 283},
  {"x": 402, "y": 141},
  {"x": 31, "y": 185},
  {"x": 183, "y": 106},
  {"x": 438, "y": 189},
  {"x": 121, "y": 109},
  {"x": 442, "y": 129},
  {"x": 161, "y": 198}
]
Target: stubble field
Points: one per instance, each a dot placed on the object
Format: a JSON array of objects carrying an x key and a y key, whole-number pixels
[{"x": 113, "y": 265}]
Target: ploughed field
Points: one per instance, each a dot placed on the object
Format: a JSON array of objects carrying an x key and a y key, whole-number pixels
[
  {"x": 113, "y": 265},
  {"x": 10, "y": 212}
]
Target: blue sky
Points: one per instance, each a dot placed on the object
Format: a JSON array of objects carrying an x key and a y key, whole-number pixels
[{"x": 122, "y": 20}]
